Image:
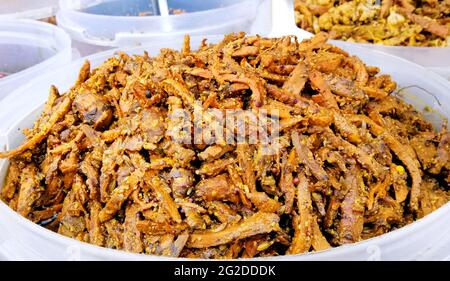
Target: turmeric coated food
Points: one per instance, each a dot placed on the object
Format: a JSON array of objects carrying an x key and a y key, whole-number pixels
[
  {"x": 387, "y": 22},
  {"x": 103, "y": 163}
]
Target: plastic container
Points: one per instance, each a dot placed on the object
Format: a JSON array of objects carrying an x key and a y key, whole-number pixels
[
  {"x": 425, "y": 239},
  {"x": 27, "y": 48},
  {"x": 436, "y": 59},
  {"x": 29, "y": 9},
  {"x": 119, "y": 23}
]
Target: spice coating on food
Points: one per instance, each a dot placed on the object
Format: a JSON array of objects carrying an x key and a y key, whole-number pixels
[
  {"x": 104, "y": 162},
  {"x": 393, "y": 22}
]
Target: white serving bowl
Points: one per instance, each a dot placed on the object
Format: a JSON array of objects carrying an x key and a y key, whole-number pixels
[{"x": 423, "y": 239}]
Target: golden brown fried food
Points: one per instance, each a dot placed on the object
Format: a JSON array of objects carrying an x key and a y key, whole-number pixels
[
  {"x": 114, "y": 162},
  {"x": 393, "y": 22}
]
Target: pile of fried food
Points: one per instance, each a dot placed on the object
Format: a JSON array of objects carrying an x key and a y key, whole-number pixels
[
  {"x": 353, "y": 160},
  {"x": 387, "y": 22}
]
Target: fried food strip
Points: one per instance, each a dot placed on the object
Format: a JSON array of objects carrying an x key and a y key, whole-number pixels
[
  {"x": 404, "y": 152},
  {"x": 44, "y": 129},
  {"x": 179, "y": 244},
  {"x": 297, "y": 80},
  {"x": 246, "y": 51},
  {"x": 49, "y": 104},
  {"x": 213, "y": 152},
  {"x": 93, "y": 109},
  {"x": 287, "y": 185},
  {"x": 352, "y": 208},
  {"x": 84, "y": 73},
  {"x": 178, "y": 89},
  {"x": 362, "y": 77},
  {"x": 244, "y": 155},
  {"x": 325, "y": 97},
  {"x": 281, "y": 95},
  {"x": 407, "y": 156},
  {"x": 186, "y": 45},
  {"x": 385, "y": 7},
  {"x": 399, "y": 182},
  {"x": 346, "y": 129},
  {"x": 263, "y": 202},
  {"x": 344, "y": 87},
  {"x": 258, "y": 223},
  {"x": 306, "y": 157},
  {"x": 236, "y": 179},
  {"x": 353, "y": 151},
  {"x": 379, "y": 190},
  {"x": 258, "y": 90},
  {"x": 303, "y": 225},
  {"x": 11, "y": 182},
  {"x": 73, "y": 220},
  {"x": 217, "y": 188},
  {"x": 216, "y": 167},
  {"x": 132, "y": 236},
  {"x": 47, "y": 215},
  {"x": 442, "y": 154},
  {"x": 159, "y": 228},
  {"x": 96, "y": 235},
  {"x": 162, "y": 190},
  {"x": 119, "y": 196},
  {"x": 30, "y": 189},
  {"x": 318, "y": 242}
]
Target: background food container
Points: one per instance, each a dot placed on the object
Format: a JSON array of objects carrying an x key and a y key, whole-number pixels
[
  {"x": 27, "y": 49},
  {"x": 427, "y": 238},
  {"x": 103, "y": 24},
  {"x": 27, "y": 9},
  {"x": 434, "y": 58}
]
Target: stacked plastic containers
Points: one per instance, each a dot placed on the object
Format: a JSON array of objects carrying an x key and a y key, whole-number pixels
[{"x": 99, "y": 25}]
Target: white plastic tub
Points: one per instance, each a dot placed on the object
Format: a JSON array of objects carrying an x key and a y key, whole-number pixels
[
  {"x": 28, "y": 48},
  {"x": 117, "y": 23},
  {"x": 427, "y": 238},
  {"x": 436, "y": 59}
]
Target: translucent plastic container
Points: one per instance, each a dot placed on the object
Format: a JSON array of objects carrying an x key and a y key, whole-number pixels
[
  {"x": 425, "y": 239},
  {"x": 29, "y": 9},
  {"x": 27, "y": 49},
  {"x": 119, "y": 23},
  {"x": 434, "y": 58}
]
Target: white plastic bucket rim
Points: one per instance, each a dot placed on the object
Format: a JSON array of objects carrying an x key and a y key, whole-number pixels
[
  {"x": 68, "y": 6},
  {"x": 134, "y": 39},
  {"x": 428, "y": 230},
  {"x": 75, "y": 22}
]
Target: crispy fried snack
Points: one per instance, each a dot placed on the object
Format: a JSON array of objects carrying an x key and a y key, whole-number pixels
[
  {"x": 393, "y": 22},
  {"x": 352, "y": 161}
]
